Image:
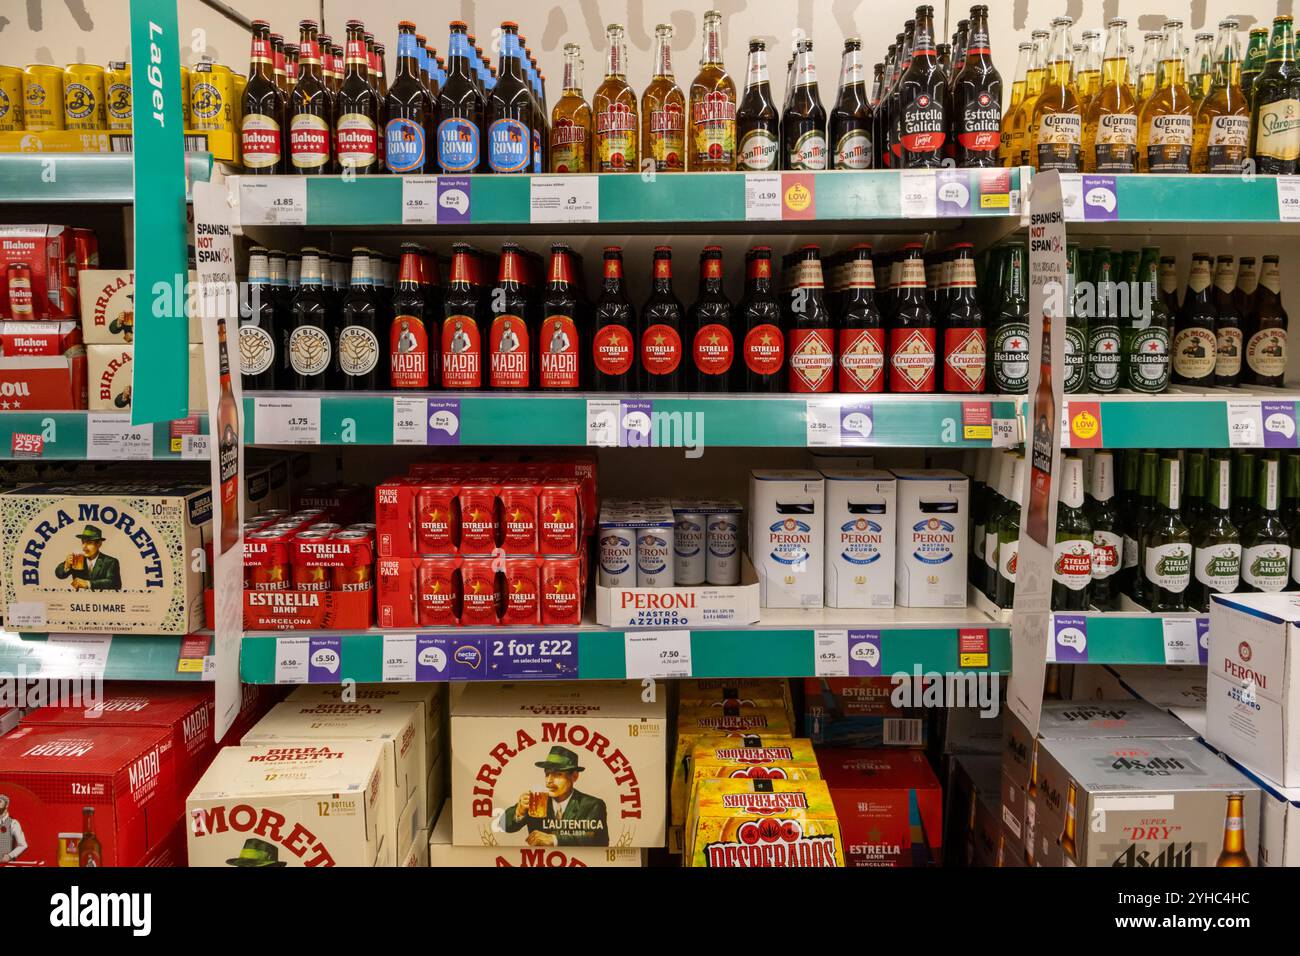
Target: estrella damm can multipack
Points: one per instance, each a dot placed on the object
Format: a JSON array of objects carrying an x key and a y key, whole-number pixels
[
  {"x": 741, "y": 823},
  {"x": 749, "y": 757},
  {"x": 123, "y": 557}
]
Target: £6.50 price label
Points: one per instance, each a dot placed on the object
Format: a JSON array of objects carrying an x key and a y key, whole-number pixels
[
  {"x": 287, "y": 421},
  {"x": 657, "y": 654},
  {"x": 273, "y": 200}
]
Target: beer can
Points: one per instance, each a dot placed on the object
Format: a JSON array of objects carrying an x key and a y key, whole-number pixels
[
  {"x": 479, "y": 593},
  {"x": 251, "y": 526},
  {"x": 437, "y": 523},
  {"x": 117, "y": 95},
  {"x": 268, "y": 577},
  {"x": 239, "y": 81},
  {"x": 212, "y": 92},
  {"x": 722, "y": 560},
  {"x": 85, "y": 249},
  {"x": 362, "y": 526},
  {"x": 311, "y": 577},
  {"x": 83, "y": 97},
  {"x": 519, "y": 517},
  {"x": 11, "y": 99},
  {"x": 187, "y": 120},
  {"x": 42, "y": 97},
  {"x": 617, "y": 556},
  {"x": 688, "y": 547},
  {"x": 479, "y": 523},
  {"x": 522, "y": 605},
  {"x": 355, "y": 578},
  {"x": 559, "y": 524},
  {"x": 330, "y": 526},
  {"x": 270, "y": 515},
  {"x": 18, "y": 286},
  {"x": 438, "y": 592},
  {"x": 562, "y": 589},
  {"x": 308, "y": 512},
  {"x": 654, "y": 557}
]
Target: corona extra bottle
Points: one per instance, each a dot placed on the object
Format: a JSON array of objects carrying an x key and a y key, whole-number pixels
[
  {"x": 1148, "y": 67},
  {"x": 1022, "y": 118},
  {"x": 1221, "y": 124},
  {"x": 1165, "y": 121},
  {"x": 1088, "y": 70},
  {"x": 1056, "y": 130},
  {"x": 1110, "y": 122},
  {"x": 1017, "y": 95}
]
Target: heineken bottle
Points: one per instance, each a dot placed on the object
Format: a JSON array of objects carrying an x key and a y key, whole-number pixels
[
  {"x": 1244, "y": 507},
  {"x": 1011, "y": 330},
  {"x": 1265, "y": 544},
  {"x": 1076, "y": 329},
  {"x": 1167, "y": 546},
  {"x": 1009, "y": 540},
  {"x": 1107, "y": 536},
  {"x": 1146, "y": 336},
  {"x": 1128, "y": 484},
  {"x": 1072, "y": 556},
  {"x": 1194, "y": 496},
  {"x": 1143, "y": 508},
  {"x": 998, "y": 510},
  {"x": 1103, "y": 326},
  {"x": 1216, "y": 544}
]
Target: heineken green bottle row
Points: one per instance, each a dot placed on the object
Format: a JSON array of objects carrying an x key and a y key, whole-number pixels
[{"x": 1165, "y": 528}]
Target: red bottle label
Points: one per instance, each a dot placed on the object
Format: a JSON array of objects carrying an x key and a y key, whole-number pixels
[
  {"x": 911, "y": 360},
  {"x": 764, "y": 349},
  {"x": 812, "y": 360},
  {"x": 508, "y": 342},
  {"x": 714, "y": 349},
  {"x": 558, "y": 348},
  {"x": 661, "y": 349},
  {"x": 408, "y": 346},
  {"x": 462, "y": 353},
  {"x": 964, "y": 360},
  {"x": 611, "y": 348},
  {"x": 862, "y": 360}
]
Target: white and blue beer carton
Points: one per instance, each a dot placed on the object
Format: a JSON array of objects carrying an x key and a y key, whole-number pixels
[
  {"x": 933, "y": 540},
  {"x": 861, "y": 509},
  {"x": 787, "y": 513}
]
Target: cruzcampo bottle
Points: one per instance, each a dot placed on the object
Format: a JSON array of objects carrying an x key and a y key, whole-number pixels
[
  {"x": 1265, "y": 543},
  {"x": 1107, "y": 535},
  {"x": 1216, "y": 543},
  {"x": 1072, "y": 556},
  {"x": 1167, "y": 545}
]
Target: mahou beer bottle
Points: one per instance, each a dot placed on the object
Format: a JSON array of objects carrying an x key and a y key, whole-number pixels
[
  {"x": 309, "y": 345},
  {"x": 510, "y": 109},
  {"x": 357, "y": 365},
  {"x": 810, "y": 342},
  {"x": 850, "y": 119},
  {"x": 461, "y": 338},
  {"x": 406, "y": 135},
  {"x": 663, "y": 106},
  {"x": 710, "y": 329},
  {"x": 763, "y": 348},
  {"x": 861, "y": 347},
  {"x": 964, "y": 336},
  {"x": 661, "y": 347},
  {"x": 411, "y": 363},
  {"x": 614, "y": 347},
  {"x": 912, "y": 335},
  {"x": 460, "y": 108},
  {"x": 615, "y": 106},
  {"x": 758, "y": 123},
  {"x": 262, "y": 134},
  {"x": 571, "y": 120},
  {"x": 1266, "y": 355},
  {"x": 559, "y": 343},
  {"x": 712, "y": 146},
  {"x": 923, "y": 100},
  {"x": 803, "y": 127},
  {"x": 510, "y": 340},
  {"x": 977, "y": 98},
  {"x": 311, "y": 110},
  {"x": 358, "y": 107}
]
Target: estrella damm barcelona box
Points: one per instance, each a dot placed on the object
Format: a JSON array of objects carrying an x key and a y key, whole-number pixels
[
  {"x": 124, "y": 557},
  {"x": 763, "y": 823}
]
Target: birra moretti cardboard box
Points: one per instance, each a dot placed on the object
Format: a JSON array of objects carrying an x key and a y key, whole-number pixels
[
  {"x": 574, "y": 763},
  {"x": 860, "y": 538},
  {"x": 277, "y": 805},
  {"x": 442, "y": 852},
  {"x": 1252, "y": 708},
  {"x": 786, "y": 543},
  {"x": 121, "y": 557},
  {"x": 933, "y": 510}
]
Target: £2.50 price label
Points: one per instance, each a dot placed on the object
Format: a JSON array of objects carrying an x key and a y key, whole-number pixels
[
  {"x": 419, "y": 200},
  {"x": 1288, "y": 198},
  {"x": 657, "y": 654}
]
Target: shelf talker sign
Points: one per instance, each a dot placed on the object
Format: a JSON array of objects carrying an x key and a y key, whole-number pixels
[
  {"x": 1031, "y": 607},
  {"x": 161, "y": 329}
]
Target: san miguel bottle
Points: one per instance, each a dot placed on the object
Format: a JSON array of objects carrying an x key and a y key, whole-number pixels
[
  {"x": 309, "y": 346},
  {"x": 1221, "y": 124},
  {"x": 712, "y": 146},
  {"x": 357, "y": 353},
  {"x": 1107, "y": 539},
  {"x": 1165, "y": 122},
  {"x": 1072, "y": 552},
  {"x": 964, "y": 336},
  {"x": 662, "y": 324},
  {"x": 262, "y": 134},
  {"x": 411, "y": 363},
  {"x": 614, "y": 348},
  {"x": 923, "y": 100},
  {"x": 559, "y": 344},
  {"x": 1265, "y": 335},
  {"x": 615, "y": 106},
  {"x": 803, "y": 125},
  {"x": 1011, "y": 332},
  {"x": 1216, "y": 541},
  {"x": 461, "y": 340},
  {"x": 810, "y": 342},
  {"x": 977, "y": 98},
  {"x": 763, "y": 347},
  {"x": 1195, "y": 349},
  {"x": 710, "y": 330},
  {"x": 510, "y": 339},
  {"x": 663, "y": 107},
  {"x": 355, "y": 130},
  {"x": 850, "y": 118},
  {"x": 861, "y": 333},
  {"x": 311, "y": 111},
  {"x": 758, "y": 122},
  {"x": 509, "y": 109},
  {"x": 406, "y": 134},
  {"x": 912, "y": 333},
  {"x": 1110, "y": 124},
  {"x": 1057, "y": 127},
  {"x": 1275, "y": 106},
  {"x": 571, "y": 120}
]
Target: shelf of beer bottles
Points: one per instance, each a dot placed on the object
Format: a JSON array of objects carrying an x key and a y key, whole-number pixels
[
  {"x": 1183, "y": 418},
  {"x": 80, "y": 177},
  {"x": 1109, "y": 201},
  {"x": 795, "y": 646},
  {"x": 1128, "y": 637},
  {"x": 99, "y": 436},
  {"x": 110, "y": 656},
  {"x": 662, "y": 421},
  {"x": 762, "y": 201}
]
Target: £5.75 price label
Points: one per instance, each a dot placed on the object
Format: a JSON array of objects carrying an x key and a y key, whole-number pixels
[{"x": 657, "y": 654}]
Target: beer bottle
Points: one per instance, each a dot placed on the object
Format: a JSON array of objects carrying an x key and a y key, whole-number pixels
[
  {"x": 960, "y": 43},
  {"x": 1244, "y": 295},
  {"x": 1107, "y": 535},
  {"x": 1021, "y": 125},
  {"x": 1076, "y": 328},
  {"x": 1227, "y": 326},
  {"x": 713, "y": 346},
  {"x": 380, "y": 76},
  {"x": 977, "y": 98},
  {"x": 1167, "y": 546},
  {"x": 1202, "y": 67},
  {"x": 571, "y": 120},
  {"x": 984, "y": 499},
  {"x": 713, "y": 106},
  {"x": 510, "y": 338},
  {"x": 1266, "y": 330},
  {"x": 1195, "y": 345},
  {"x": 358, "y": 108},
  {"x": 90, "y": 852},
  {"x": 559, "y": 344},
  {"x": 1006, "y": 550},
  {"x": 356, "y": 346},
  {"x": 760, "y": 320},
  {"x": 461, "y": 339},
  {"x": 1104, "y": 349},
  {"x": 291, "y": 67},
  {"x": 460, "y": 108},
  {"x": 1221, "y": 125},
  {"x": 613, "y": 341},
  {"x": 1011, "y": 333},
  {"x": 661, "y": 330},
  {"x": 1253, "y": 63},
  {"x": 1165, "y": 121},
  {"x": 663, "y": 104},
  {"x": 880, "y": 128},
  {"x": 411, "y": 362},
  {"x": 1110, "y": 123},
  {"x": 1265, "y": 543},
  {"x": 311, "y": 110},
  {"x": 1146, "y": 345},
  {"x": 311, "y": 317},
  {"x": 1088, "y": 70},
  {"x": 912, "y": 334},
  {"x": 1005, "y": 156},
  {"x": 877, "y": 86},
  {"x": 850, "y": 119},
  {"x": 1234, "y": 852},
  {"x": 1244, "y": 508},
  {"x": 758, "y": 124},
  {"x": 1291, "y": 508},
  {"x": 1056, "y": 129},
  {"x": 811, "y": 338},
  {"x": 259, "y": 333},
  {"x": 279, "y": 65},
  {"x": 923, "y": 100},
  {"x": 331, "y": 67},
  {"x": 1194, "y": 466},
  {"x": 1149, "y": 67},
  {"x": 262, "y": 139},
  {"x": 406, "y": 133},
  {"x": 893, "y": 146},
  {"x": 616, "y": 110},
  {"x": 1133, "y": 579},
  {"x": 1072, "y": 552},
  {"x": 803, "y": 127},
  {"x": 1275, "y": 106},
  {"x": 1216, "y": 542},
  {"x": 509, "y": 109},
  {"x": 1001, "y": 476},
  {"x": 861, "y": 331},
  {"x": 964, "y": 336}
]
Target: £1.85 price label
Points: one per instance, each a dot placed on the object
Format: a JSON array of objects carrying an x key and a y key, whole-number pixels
[{"x": 657, "y": 654}]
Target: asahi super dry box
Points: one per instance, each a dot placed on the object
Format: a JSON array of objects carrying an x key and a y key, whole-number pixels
[
  {"x": 763, "y": 823},
  {"x": 442, "y": 852},
  {"x": 104, "y": 556},
  {"x": 278, "y": 805},
  {"x": 558, "y": 764}
]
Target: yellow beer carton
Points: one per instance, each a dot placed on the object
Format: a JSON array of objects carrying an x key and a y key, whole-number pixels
[
  {"x": 749, "y": 757},
  {"x": 763, "y": 823}
]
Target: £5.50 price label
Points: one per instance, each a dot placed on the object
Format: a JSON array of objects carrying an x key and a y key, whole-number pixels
[
  {"x": 273, "y": 200},
  {"x": 657, "y": 654},
  {"x": 286, "y": 421}
]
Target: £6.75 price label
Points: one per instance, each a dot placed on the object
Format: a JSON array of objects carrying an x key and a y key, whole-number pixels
[{"x": 657, "y": 654}]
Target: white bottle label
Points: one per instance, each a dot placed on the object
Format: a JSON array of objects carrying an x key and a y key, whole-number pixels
[
  {"x": 1169, "y": 566},
  {"x": 1266, "y": 566},
  {"x": 1072, "y": 563},
  {"x": 1218, "y": 567}
]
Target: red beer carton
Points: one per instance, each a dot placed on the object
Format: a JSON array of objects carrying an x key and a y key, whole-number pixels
[
  {"x": 562, "y": 590},
  {"x": 479, "y": 588},
  {"x": 42, "y": 366},
  {"x": 889, "y": 804},
  {"x": 518, "y": 517},
  {"x": 522, "y": 592},
  {"x": 479, "y": 519},
  {"x": 560, "y": 516},
  {"x": 38, "y": 281}
]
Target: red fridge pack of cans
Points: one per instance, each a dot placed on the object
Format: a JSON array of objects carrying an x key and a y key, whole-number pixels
[
  {"x": 40, "y": 272},
  {"x": 889, "y": 804},
  {"x": 317, "y": 576},
  {"x": 42, "y": 366}
]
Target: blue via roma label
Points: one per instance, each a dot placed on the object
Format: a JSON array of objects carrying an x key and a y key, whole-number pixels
[
  {"x": 509, "y": 146},
  {"x": 404, "y": 142},
  {"x": 457, "y": 145}
]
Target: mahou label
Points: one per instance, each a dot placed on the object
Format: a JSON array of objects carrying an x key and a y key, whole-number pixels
[
  {"x": 358, "y": 141},
  {"x": 408, "y": 347},
  {"x": 661, "y": 349},
  {"x": 862, "y": 360},
  {"x": 558, "y": 351},
  {"x": 612, "y": 349},
  {"x": 812, "y": 360},
  {"x": 714, "y": 349},
  {"x": 508, "y": 350},
  {"x": 309, "y": 141},
  {"x": 259, "y": 141},
  {"x": 461, "y": 353},
  {"x": 764, "y": 349}
]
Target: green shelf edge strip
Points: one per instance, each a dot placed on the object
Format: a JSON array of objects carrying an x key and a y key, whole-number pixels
[
  {"x": 80, "y": 177},
  {"x": 70, "y": 435},
  {"x": 131, "y": 656}
]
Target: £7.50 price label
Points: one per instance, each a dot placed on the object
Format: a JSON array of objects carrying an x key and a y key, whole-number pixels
[{"x": 657, "y": 654}]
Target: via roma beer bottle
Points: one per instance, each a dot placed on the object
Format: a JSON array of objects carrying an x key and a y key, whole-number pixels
[
  {"x": 1275, "y": 106},
  {"x": 411, "y": 362},
  {"x": 710, "y": 331},
  {"x": 1165, "y": 122},
  {"x": 977, "y": 98},
  {"x": 850, "y": 119},
  {"x": 613, "y": 339},
  {"x": 311, "y": 111},
  {"x": 803, "y": 125},
  {"x": 964, "y": 337},
  {"x": 559, "y": 343},
  {"x": 1221, "y": 124},
  {"x": 661, "y": 330},
  {"x": 861, "y": 348},
  {"x": 758, "y": 122},
  {"x": 227, "y": 445},
  {"x": 406, "y": 134},
  {"x": 358, "y": 108},
  {"x": 1057, "y": 127},
  {"x": 912, "y": 334},
  {"x": 262, "y": 134},
  {"x": 663, "y": 106},
  {"x": 460, "y": 109},
  {"x": 811, "y": 339},
  {"x": 571, "y": 120},
  {"x": 923, "y": 100},
  {"x": 461, "y": 338},
  {"x": 510, "y": 340},
  {"x": 1110, "y": 124},
  {"x": 712, "y": 145},
  {"x": 510, "y": 109},
  {"x": 615, "y": 107}
]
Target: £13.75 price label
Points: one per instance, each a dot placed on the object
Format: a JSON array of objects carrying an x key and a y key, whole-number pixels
[{"x": 657, "y": 654}]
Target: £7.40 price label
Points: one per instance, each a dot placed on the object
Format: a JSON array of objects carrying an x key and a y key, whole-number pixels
[{"x": 658, "y": 654}]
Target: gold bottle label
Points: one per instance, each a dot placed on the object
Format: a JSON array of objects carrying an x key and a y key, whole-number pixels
[
  {"x": 1278, "y": 133},
  {"x": 1169, "y": 143}
]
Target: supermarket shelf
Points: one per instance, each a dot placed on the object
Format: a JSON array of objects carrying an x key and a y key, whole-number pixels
[
  {"x": 80, "y": 177},
  {"x": 1182, "y": 418},
  {"x": 115, "y": 657},
  {"x": 1128, "y": 637},
  {"x": 67, "y": 436},
  {"x": 1106, "y": 204}
]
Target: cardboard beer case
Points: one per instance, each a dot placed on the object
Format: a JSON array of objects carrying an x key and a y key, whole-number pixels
[
  {"x": 108, "y": 307},
  {"x": 745, "y": 757},
  {"x": 763, "y": 823},
  {"x": 111, "y": 373},
  {"x": 889, "y": 804},
  {"x": 42, "y": 366},
  {"x": 442, "y": 852}
]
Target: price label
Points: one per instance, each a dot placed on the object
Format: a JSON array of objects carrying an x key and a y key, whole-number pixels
[
  {"x": 210, "y": 667},
  {"x": 419, "y": 200},
  {"x": 1181, "y": 646},
  {"x": 762, "y": 196},
  {"x": 1245, "y": 425},
  {"x": 918, "y": 194},
  {"x": 83, "y": 655},
  {"x": 603, "y": 418},
  {"x": 195, "y": 448},
  {"x": 25, "y": 615},
  {"x": 287, "y": 421},
  {"x": 110, "y": 437},
  {"x": 564, "y": 199},
  {"x": 657, "y": 654},
  {"x": 273, "y": 200},
  {"x": 1072, "y": 196},
  {"x": 26, "y": 446},
  {"x": 1288, "y": 198},
  {"x": 1006, "y": 434},
  {"x": 410, "y": 421},
  {"x": 291, "y": 660},
  {"x": 823, "y": 421},
  {"x": 399, "y": 658},
  {"x": 831, "y": 653}
]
